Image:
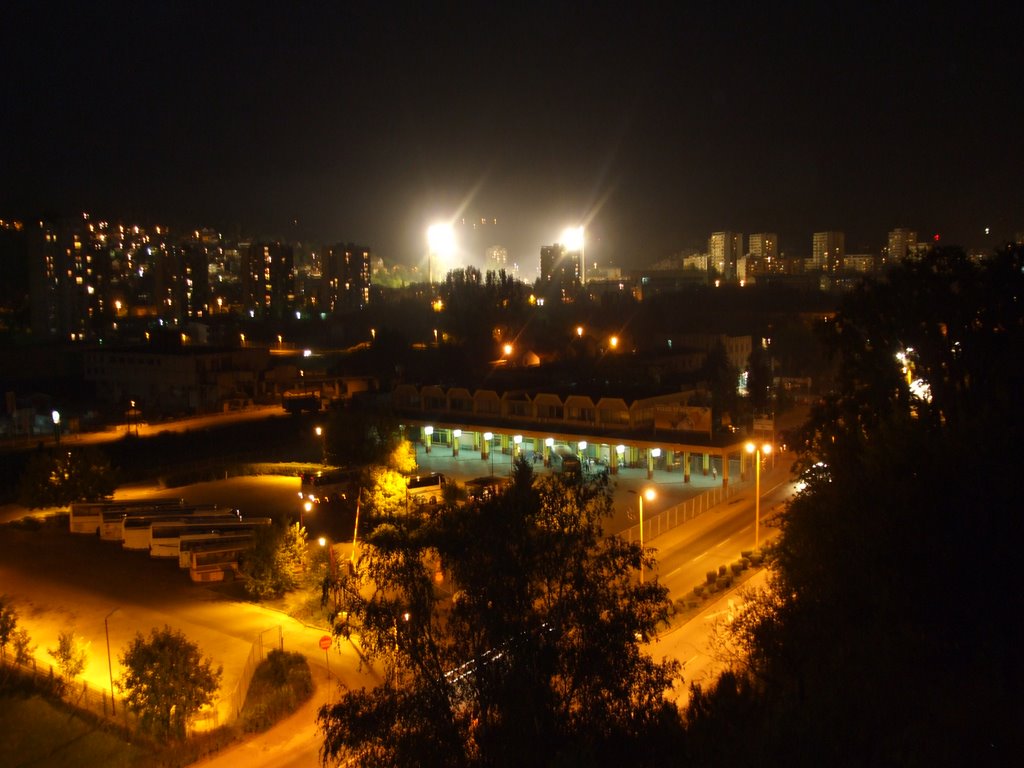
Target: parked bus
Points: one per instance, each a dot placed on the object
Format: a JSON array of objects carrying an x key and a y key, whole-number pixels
[
  {"x": 136, "y": 530},
  {"x": 87, "y": 516},
  {"x": 425, "y": 489},
  {"x": 195, "y": 544},
  {"x": 165, "y": 538},
  {"x": 328, "y": 485},
  {"x": 564, "y": 461},
  {"x": 112, "y": 521}
]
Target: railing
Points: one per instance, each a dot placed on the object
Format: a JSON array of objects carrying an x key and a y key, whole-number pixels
[
  {"x": 77, "y": 693},
  {"x": 257, "y": 653},
  {"x": 666, "y": 520}
]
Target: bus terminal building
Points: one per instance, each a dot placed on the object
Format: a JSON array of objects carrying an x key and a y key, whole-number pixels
[{"x": 661, "y": 431}]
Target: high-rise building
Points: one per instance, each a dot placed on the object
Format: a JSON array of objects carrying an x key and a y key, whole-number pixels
[
  {"x": 902, "y": 243},
  {"x": 559, "y": 270},
  {"x": 497, "y": 259},
  {"x": 268, "y": 278},
  {"x": 828, "y": 249},
  {"x": 69, "y": 278},
  {"x": 724, "y": 251},
  {"x": 763, "y": 250},
  {"x": 345, "y": 278}
]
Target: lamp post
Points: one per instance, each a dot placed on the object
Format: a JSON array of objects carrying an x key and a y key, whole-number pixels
[
  {"x": 110, "y": 666},
  {"x": 355, "y": 532},
  {"x": 306, "y": 507},
  {"x": 56, "y": 426},
  {"x": 517, "y": 440},
  {"x": 766, "y": 449},
  {"x": 428, "y": 433},
  {"x": 323, "y": 446},
  {"x": 650, "y": 495},
  {"x": 488, "y": 437}
]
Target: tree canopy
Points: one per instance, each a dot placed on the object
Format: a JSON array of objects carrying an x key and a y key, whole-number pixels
[
  {"x": 55, "y": 479},
  {"x": 887, "y": 638},
  {"x": 166, "y": 681},
  {"x": 509, "y": 633}
]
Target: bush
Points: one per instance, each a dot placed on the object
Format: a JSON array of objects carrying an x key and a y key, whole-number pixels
[
  {"x": 710, "y": 577},
  {"x": 737, "y": 568},
  {"x": 722, "y": 570},
  {"x": 698, "y": 590},
  {"x": 280, "y": 685}
]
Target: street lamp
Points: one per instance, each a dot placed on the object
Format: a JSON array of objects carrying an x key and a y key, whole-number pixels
[
  {"x": 307, "y": 507},
  {"x": 517, "y": 440},
  {"x": 56, "y": 426},
  {"x": 456, "y": 438},
  {"x": 110, "y": 667},
  {"x": 650, "y": 495},
  {"x": 488, "y": 437},
  {"x": 766, "y": 449},
  {"x": 319, "y": 431},
  {"x": 428, "y": 433}
]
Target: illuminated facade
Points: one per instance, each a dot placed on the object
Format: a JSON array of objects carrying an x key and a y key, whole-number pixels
[
  {"x": 345, "y": 278},
  {"x": 902, "y": 243},
  {"x": 724, "y": 251},
  {"x": 763, "y": 253},
  {"x": 828, "y": 249},
  {"x": 268, "y": 278},
  {"x": 560, "y": 270}
]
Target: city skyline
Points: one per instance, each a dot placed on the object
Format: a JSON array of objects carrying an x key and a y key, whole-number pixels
[{"x": 651, "y": 129}]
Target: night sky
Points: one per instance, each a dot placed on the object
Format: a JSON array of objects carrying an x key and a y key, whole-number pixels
[{"x": 654, "y": 126}]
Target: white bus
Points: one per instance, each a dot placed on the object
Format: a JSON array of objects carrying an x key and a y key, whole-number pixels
[
  {"x": 112, "y": 521},
  {"x": 165, "y": 538},
  {"x": 425, "y": 489},
  {"x": 136, "y": 530},
  {"x": 193, "y": 548},
  {"x": 87, "y": 516},
  {"x": 328, "y": 485}
]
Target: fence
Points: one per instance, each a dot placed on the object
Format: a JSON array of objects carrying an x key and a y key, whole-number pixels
[
  {"x": 257, "y": 653},
  {"x": 97, "y": 701},
  {"x": 670, "y": 518},
  {"x": 78, "y": 694}
]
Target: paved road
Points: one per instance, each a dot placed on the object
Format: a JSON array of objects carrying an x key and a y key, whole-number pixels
[{"x": 74, "y": 582}]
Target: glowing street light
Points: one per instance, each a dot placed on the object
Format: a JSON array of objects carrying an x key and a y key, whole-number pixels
[
  {"x": 428, "y": 433},
  {"x": 441, "y": 243},
  {"x": 766, "y": 449},
  {"x": 572, "y": 239},
  {"x": 56, "y": 426}
]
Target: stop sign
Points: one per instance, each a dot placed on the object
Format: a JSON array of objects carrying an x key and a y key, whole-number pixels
[{"x": 325, "y": 642}]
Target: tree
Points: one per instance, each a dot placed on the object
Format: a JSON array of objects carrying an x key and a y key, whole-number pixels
[
  {"x": 721, "y": 380},
  {"x": 166, "y": 681},
  {"x": 276, "y": 562},
  {"x": 759, "y": 379},
  {"x": 55, "y": 479},
  {"x": 885, "y": 638},
  {"x": 70, "y": 654},
  {"x": 535, "y": 658},
  {"x": 8, "y": 623},
  {"x": 360, "y": 436}
]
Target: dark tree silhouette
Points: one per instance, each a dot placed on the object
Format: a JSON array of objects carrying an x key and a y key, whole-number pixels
[
  {"x": 534, "y": 660},
  {"x": 888, "y": 638}
]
